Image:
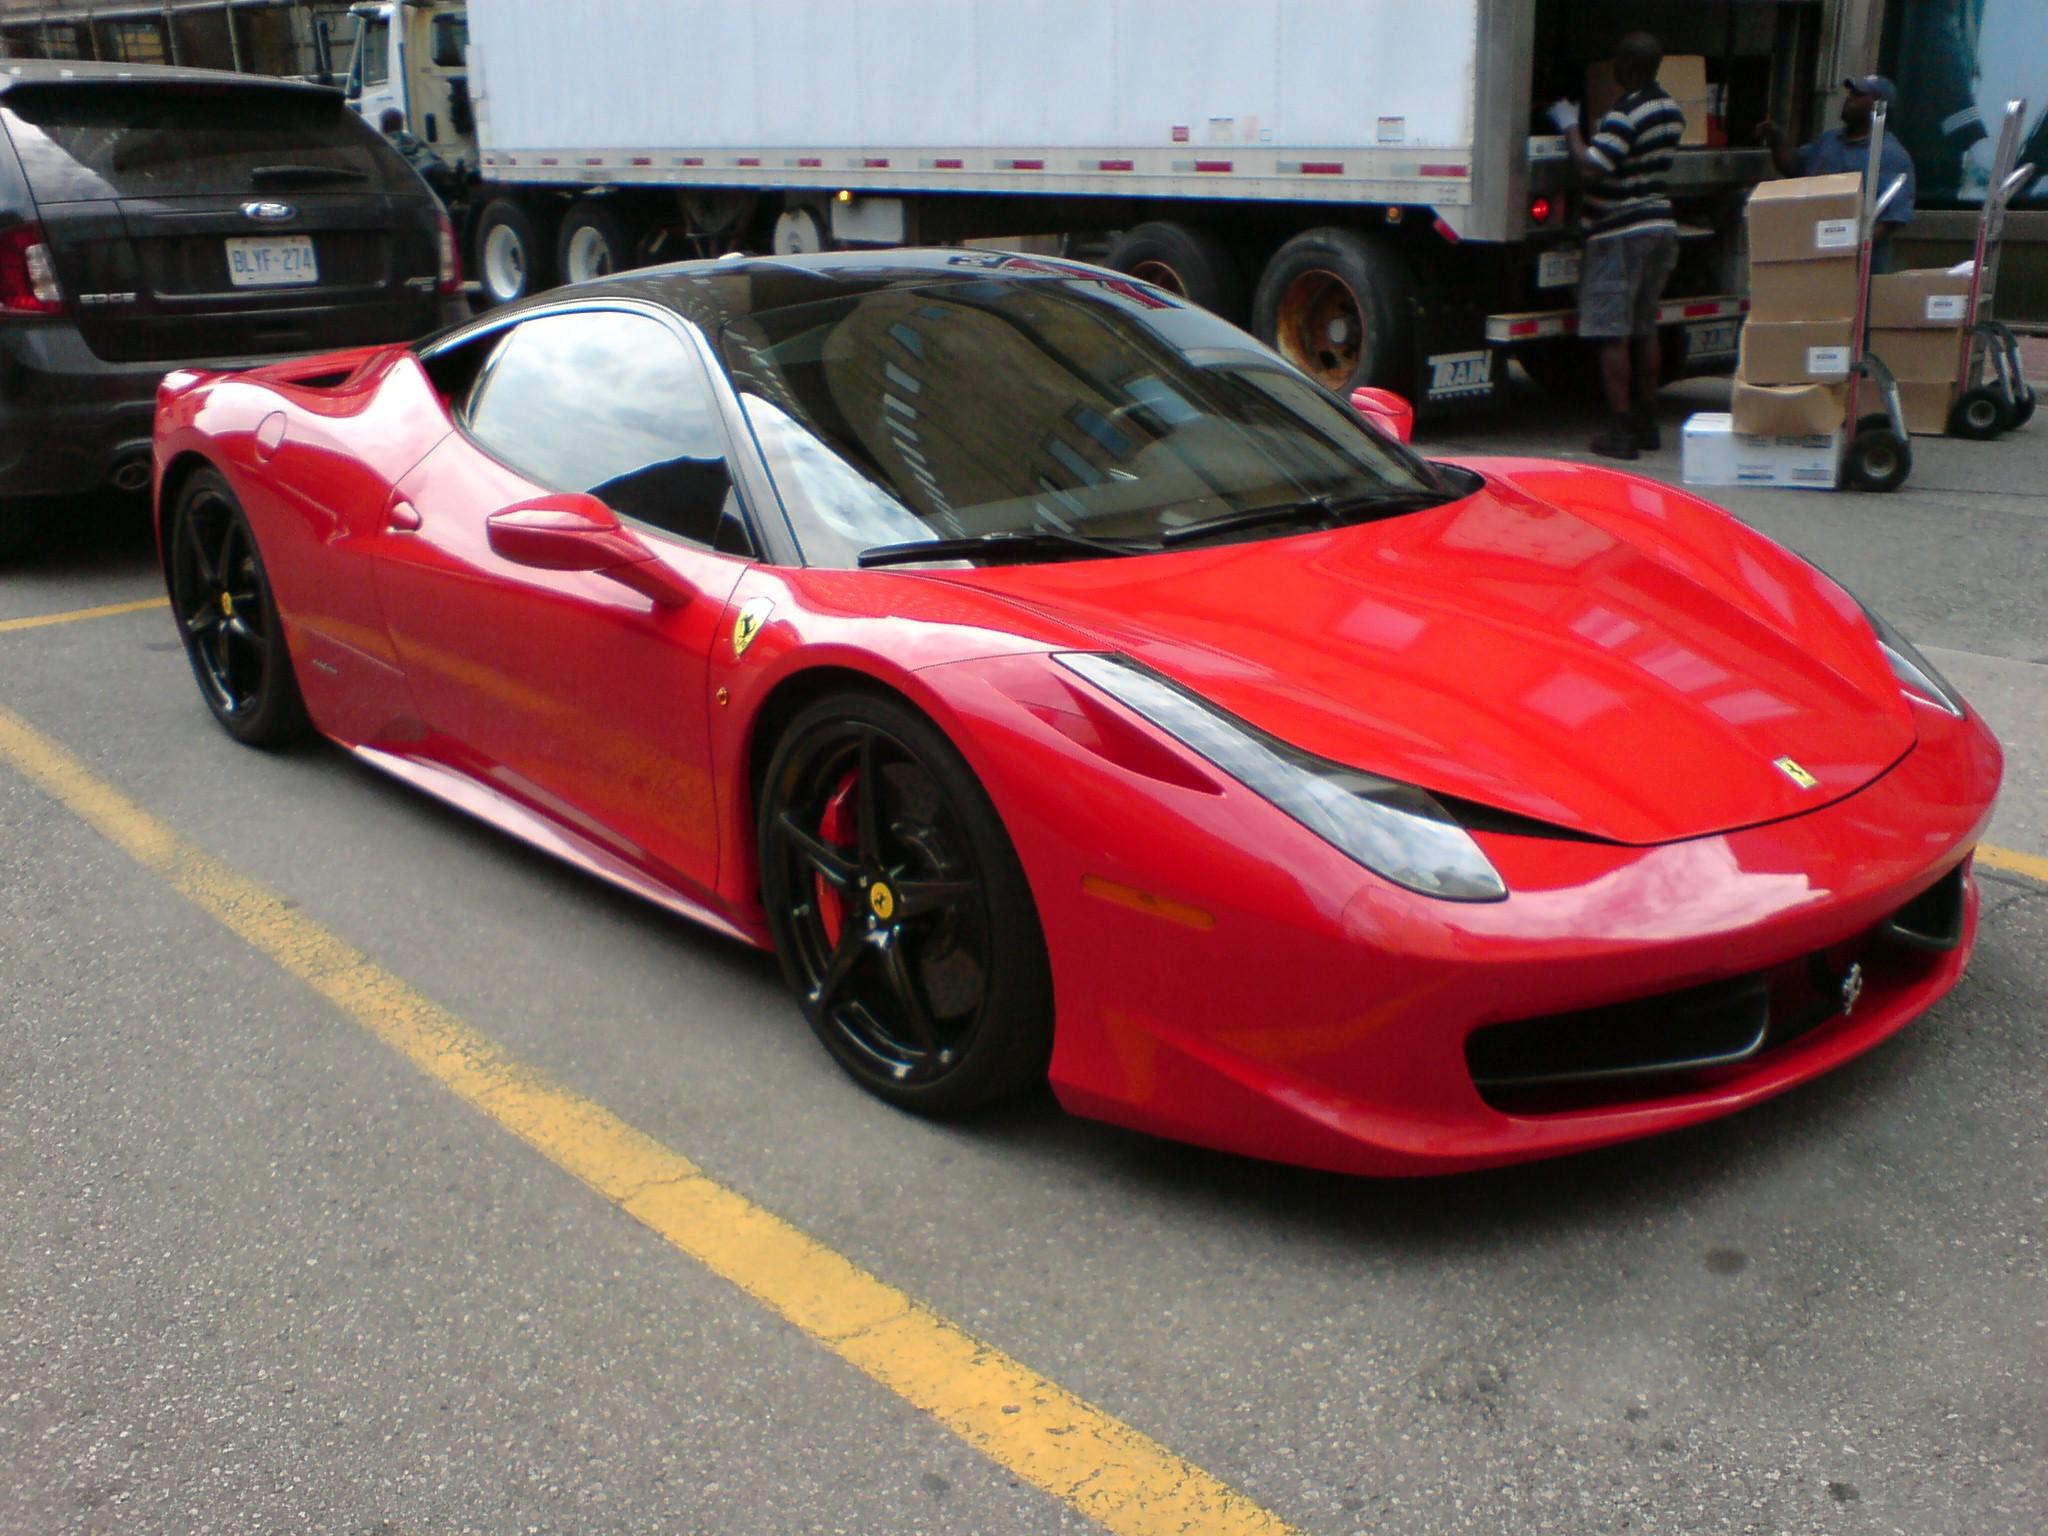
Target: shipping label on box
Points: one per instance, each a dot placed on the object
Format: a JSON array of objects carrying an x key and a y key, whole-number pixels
[
  {"x": 1712, "y": 452},
  {"x": 1805, "y": 218},
  {"x": 1788, "y": 410},
  {"x": 1802, "y": 290},
  {"x": 1795, "y": 351},
  {"x": 1913, "y": 300}
]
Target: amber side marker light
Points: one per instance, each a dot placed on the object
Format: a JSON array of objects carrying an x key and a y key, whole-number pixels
[{"x": 1144, "y": 901}]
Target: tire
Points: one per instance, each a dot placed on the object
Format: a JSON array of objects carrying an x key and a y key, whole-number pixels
[
  {"x": 514, "y": 256},
  {"x": 2023, "y": 410},
  {"x": 903, "y": 922},
  {"x": 228, "y": 618},
  {"x": 1878, "y": 459},
  {"x": 593, "y": 242},
  {"x": 1980, "y": 414},
  {"x": 1336, "y": 305},
  {"x": 1191, "y": 262}
]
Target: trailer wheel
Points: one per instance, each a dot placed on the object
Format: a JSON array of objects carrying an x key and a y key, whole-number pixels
[
  {"x": 1878, "y": 458},
  {"x": 514, "y": 257},
  {"x": 1980, "y": 415},
  {"x": 593, "y": 241},
  {"x": 1190, "y": 262},
  {"x": 1336, "y": 305}
]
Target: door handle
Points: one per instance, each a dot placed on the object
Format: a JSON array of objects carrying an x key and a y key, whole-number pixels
[{"x": 403, "y": 517}]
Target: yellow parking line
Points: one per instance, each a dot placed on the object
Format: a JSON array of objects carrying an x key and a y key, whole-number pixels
[
  {"x": 2013, "y": 862},
  {"x": 104, "y": 611},
  {"x": 1100, "y": 1466}
]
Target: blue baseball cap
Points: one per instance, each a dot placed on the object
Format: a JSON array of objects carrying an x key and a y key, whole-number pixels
[{"x": 1873, "y": 85}]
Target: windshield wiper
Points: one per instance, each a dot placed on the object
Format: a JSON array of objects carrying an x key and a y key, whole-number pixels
[
  {"x": 302, "y": 175},
  {"x": 1311, "y": 511},
  {"x": 1001, "y": 544}
]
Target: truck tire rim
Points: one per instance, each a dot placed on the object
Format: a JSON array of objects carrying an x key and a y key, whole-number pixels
[
  {"x": 505, "y": 263},
  {"x": 1320, "y": 328},
  {"x": 589, "y": 255},
  {"x": 1160, "y": 275}
]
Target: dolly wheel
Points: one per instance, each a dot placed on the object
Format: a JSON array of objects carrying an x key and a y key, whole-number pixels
[
  {"x": 2023, "y": 408},
  {"x": 1879, "y": 459},
  {"x": 1981, "y": 414}
]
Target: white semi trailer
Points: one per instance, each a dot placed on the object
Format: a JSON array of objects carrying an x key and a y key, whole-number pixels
[{"x": 1370, "y": 185}]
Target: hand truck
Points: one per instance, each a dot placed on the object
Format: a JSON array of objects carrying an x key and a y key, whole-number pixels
[
  {"x": 1985, "y": 410},
  {"x": 1876, "y": 453}
]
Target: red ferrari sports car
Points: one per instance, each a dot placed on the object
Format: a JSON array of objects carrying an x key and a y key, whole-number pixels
[{"x": 1066, "y": 687}]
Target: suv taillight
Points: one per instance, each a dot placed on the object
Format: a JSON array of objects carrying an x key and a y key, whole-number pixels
[
  {"x": 28, "y": 277},
  {"x": 451, "y": 259}
]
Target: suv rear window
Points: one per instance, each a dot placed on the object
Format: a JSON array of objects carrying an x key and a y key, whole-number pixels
[{"x": 80, "y": 141}]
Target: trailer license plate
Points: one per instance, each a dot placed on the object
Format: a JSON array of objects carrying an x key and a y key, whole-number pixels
[
  {"x": 1557, "y": 269},
  {"x": 1712, "y": 338},
  {"x": 276, "y": 261}
]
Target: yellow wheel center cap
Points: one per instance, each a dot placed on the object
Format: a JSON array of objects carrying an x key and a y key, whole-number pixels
[
  {"x": 881, "y": 901},
  {"x": 227, "y": 604}
]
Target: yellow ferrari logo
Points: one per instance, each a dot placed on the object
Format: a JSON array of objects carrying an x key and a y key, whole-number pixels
[
  {"x": 1795, "y": 773},
  {"x": 227, "y": 604},
  {"x": 881, "y": 901},
  {"x": 753, "y": 616}
]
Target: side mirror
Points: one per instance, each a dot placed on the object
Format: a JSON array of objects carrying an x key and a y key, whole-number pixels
[
  {"x": 575, "y": 532},
  {"x": 1387, "y": 411}
]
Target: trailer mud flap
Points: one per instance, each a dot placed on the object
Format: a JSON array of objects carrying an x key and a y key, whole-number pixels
[{"x": 1456, "y": 370}]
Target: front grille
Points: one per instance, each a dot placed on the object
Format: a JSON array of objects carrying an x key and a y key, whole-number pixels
[{"x": 1682, "y": 1041}]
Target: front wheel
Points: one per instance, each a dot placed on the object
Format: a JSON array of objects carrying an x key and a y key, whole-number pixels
[
  {"x": 228, "y": 618},
  {"x": 1878, "y": 459},
  {"x": 899, "y": 910}
]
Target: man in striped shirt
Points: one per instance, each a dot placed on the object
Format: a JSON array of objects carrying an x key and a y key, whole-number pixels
[{"x": 1631, "y": 238}]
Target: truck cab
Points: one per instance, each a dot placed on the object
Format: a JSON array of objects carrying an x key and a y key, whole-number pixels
[{"x": 413, "y": 55}]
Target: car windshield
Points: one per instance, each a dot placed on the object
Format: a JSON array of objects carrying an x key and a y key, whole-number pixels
[
  {"x": 87, "y": 140},
  {"x": 1081, "y": 405}
]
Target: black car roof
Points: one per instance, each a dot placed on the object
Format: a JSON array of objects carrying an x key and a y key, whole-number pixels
[
  {"x": 713, "y": 293},
  {"x": 44, "y": 72}
]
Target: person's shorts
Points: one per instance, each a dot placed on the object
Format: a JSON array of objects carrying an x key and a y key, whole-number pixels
[{"x": 1620, "y": 281}]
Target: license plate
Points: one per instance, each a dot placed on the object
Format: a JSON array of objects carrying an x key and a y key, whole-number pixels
[
  {"x": 275, "y": 261},
  {"x": 1557, "y": 269},
  {"x": 1713, "y": 338}
]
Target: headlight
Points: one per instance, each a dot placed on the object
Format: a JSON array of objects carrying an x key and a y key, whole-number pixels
[
  {"x": 1394, "y": 830},
  {"x": 1912, "y": 669}
]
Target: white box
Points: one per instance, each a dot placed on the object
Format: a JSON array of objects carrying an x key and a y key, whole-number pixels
[{"x": 1712, "y": 452}]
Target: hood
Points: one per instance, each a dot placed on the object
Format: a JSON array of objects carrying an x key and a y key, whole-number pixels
[{"x": 1568, "y": 643}]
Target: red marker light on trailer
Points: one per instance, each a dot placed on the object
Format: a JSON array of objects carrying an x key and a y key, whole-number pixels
[{"x": 1540, "y": 209}]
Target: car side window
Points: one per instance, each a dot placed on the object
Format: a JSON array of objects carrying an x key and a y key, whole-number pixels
[{"x": 613, "y": 404}]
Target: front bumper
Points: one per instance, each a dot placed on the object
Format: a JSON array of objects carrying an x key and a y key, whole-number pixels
[{"x": 1279, "y": 1001}]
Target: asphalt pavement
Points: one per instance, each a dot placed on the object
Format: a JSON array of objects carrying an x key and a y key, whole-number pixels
[{"x": 270, "y": 1263}]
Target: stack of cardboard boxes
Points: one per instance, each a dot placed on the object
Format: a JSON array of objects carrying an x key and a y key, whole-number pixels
[
  {"x": 1798, "y": 346},
  {"x": 1916, "y": 330}
]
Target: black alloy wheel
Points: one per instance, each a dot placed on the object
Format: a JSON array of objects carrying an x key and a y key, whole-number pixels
[
  {"x": 900, "y": 912},
  {"x": 228, "y": 618}
]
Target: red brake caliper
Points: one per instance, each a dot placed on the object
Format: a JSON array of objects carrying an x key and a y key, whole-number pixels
[{"x": 835, "y": 827}]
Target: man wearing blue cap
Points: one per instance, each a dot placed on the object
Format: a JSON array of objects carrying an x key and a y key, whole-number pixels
[{"x": 1847, "y": 148}]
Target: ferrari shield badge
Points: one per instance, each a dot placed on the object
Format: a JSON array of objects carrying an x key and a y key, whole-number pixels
[
  {"x": 1795, "y": 773},
  {"x": 753, "y": 616}
]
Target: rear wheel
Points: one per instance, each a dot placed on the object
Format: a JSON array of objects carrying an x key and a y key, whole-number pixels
[
  {"x": 1191, "y": 262},
  {"x": 1980, "y": 414},
  {"x": 1337, "y": 306},
  {"x": 1878, "y": 459},
  {"x": 228, "y": 619},
  {"x": 900, "y": 913},
  {"x": 514, "y": 255},
  {"x": 593, "y": 242}
]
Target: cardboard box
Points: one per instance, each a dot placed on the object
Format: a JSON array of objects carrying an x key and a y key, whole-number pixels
[
  {"x": 1802, "y": 290},
  {"x": 1788, "y": 410},
  {"x": 1796, "y": 351},
  {"x": 1926, "y": 406},
  {"x": 1683, "y": 76},
  {"x": 1920, "y": 357},
  {"x": 1712, "y": 452},
  {"x": 1805, "y": 218},
  {"x": 1929, "y": 297}
]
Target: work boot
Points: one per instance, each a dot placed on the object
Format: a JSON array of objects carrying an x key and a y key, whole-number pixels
[
  {"x": 1643, "y": 421},
  {"x": 1618, "y": 441}
]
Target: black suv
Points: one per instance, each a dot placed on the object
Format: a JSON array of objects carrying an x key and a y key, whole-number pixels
[{"x": 153, "y": 217}]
